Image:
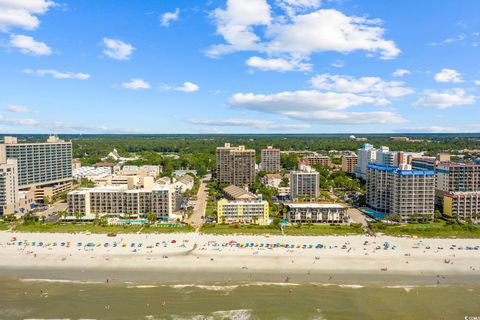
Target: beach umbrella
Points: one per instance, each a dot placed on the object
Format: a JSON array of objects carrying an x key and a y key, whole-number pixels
[{"x": 174, "y": 241}]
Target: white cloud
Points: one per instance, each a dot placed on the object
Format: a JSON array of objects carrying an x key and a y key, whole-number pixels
[
  {"x": 338, "y": 64},
  {"x": 136, "y": 84},
  {"x": 400, "y": 72},
  {"x": 445, "y": 99},
  {"x": 250, "y": 123},
  {"x": 292, "y": 7},
  {"x": 28, "y": 45},
  {"x": 18, "y": 122},
  {"x": 303, "y": 33},
  {"x": 429, "y": 129},
  {"x": 313, "y": 105},
  {"x": 117, "y": 49},
  {"x": 372, "y": 86},
  {"x": 477, "y": 82},
  {"x": 57, "y": 74},
  {"x": 22, "y": 13},
  {"x": 448, "y": 75},
  {"x": 457, "y": 38},
  {"x": 168, "y": 17},
  {"x": 236, "y": 22},
  {"x": 188, "y": 87},
  {"x": 15, "y": 108},
  {"x": 277, "y": 64}
]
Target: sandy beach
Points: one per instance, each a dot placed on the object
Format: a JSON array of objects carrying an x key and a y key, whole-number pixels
[{"x": 239, "y": 254}]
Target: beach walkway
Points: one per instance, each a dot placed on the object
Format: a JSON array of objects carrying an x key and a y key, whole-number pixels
[{"x": 196, "y": 219}]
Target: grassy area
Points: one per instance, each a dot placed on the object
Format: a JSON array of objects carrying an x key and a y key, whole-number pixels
[
  {"x": 429, "y": 230},
  {"x": 4, "y": 226},
  {"x": 322, "y": 230},
  {"x": 210, "y": 209},
  {"x": 73, "y": 228},
  {"x": 314, "y": 230}
]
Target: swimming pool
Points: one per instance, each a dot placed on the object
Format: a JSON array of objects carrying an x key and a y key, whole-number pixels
[{"x": 373, "y": 213}]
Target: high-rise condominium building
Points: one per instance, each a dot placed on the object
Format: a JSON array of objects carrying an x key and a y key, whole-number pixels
[
  {"x": 40, "y": 164},
  {"x": 458, "y": 189},
  {"x": 349, "y": 161},
  {"x": 424, "y": 163},
  {"x": 304, "y": 184},
  {"x": 9, "y": 195},
  {"x": 235, "y": 165},
  {"x": 119, "y": 200},
  {"x": 271, "y": 159},
  {"x": 366, "y": 154},
  {"x": 406, "y": 193},
  {"x": 321, "y": 160}
]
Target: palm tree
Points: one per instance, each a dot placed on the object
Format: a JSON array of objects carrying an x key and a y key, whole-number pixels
[{"x": 151, "y": 217}]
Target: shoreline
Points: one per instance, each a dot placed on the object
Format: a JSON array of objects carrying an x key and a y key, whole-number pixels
[{"x": 192, "y": 257}]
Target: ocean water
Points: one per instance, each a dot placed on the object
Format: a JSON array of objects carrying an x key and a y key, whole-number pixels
[{"x": 74, "y": 299}]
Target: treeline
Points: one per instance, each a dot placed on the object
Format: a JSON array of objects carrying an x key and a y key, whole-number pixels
[{"x": 198, "y": 151}]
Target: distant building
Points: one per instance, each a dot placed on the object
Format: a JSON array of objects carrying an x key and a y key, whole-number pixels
[
  {"x": 181, "y": 173},
  {"x": 184, "y": 183},
  {"x": 317, "y": 159},
  {"x": 270, "y": 159},
  {"x": 366, "y": 154},
  {"x": 146, "y": 170},
  {"x": 272, "y": 180},
  {"x": 395, "y": 191},
  {"x": 316, "y": 213},
  {"x": 235, "y": 165},
  {"x": 243, "y": 211},
  {"x": 349, "y": 162},
  {"x": 304, "y": 184},
  {"x": 424, "y": 163}
]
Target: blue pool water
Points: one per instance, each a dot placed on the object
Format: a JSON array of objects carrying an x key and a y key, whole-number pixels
[{"x": 373, "y": 213}]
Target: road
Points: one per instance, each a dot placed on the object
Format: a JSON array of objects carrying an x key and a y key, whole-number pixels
[{"x": 196, "y": 219}]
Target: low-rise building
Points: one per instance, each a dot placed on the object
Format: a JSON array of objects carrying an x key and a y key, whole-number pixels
[
  {"x": 272, "y": 180},
  {"x": 242, "y": 211},
  {"x": 233, "y": 192},
  {"x": 316, "y": 213},
  {"x": 120, "y": 201},
  {"x": 318, "y": 159}
]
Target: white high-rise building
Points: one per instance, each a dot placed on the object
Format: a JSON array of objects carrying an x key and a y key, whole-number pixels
[{"x": 366, "y": 154}]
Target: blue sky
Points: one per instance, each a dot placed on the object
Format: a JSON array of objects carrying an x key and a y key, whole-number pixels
[{"x": 239, "y": 66}]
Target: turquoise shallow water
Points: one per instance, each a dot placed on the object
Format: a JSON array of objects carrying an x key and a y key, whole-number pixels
[{"x": 40, "y": 299}]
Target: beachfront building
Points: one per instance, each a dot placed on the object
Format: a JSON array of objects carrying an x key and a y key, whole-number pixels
[
  {"x": 304, "y": 184},
  {"x": 316, "y": 213},
  {"x": 242, "y": 211},
  {"x": 9, "y": 195},
  {"x": 317, "y": 159},
  {"x": 401, "y": 191},
  {"x": 270, "y": 159},
  {"x": 235, "y": 165},
  {"x": 121, "y": 201},
  {"x": 462, "y": 206},
  {"x": 457, "y": 189},
  {"x": 349, "y": 162},
  {"x": 40, "y": 164}
]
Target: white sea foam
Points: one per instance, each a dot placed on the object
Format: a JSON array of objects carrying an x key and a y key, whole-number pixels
[
  {"x": 143, "y": 286},
  {"x": 351, "y": 286},
  {"x": 241, "y": 314},
  {"x": 60, "y": 281}
]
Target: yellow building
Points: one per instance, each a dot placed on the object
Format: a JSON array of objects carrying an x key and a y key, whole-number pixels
[{"x": 242, "y": 211}]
